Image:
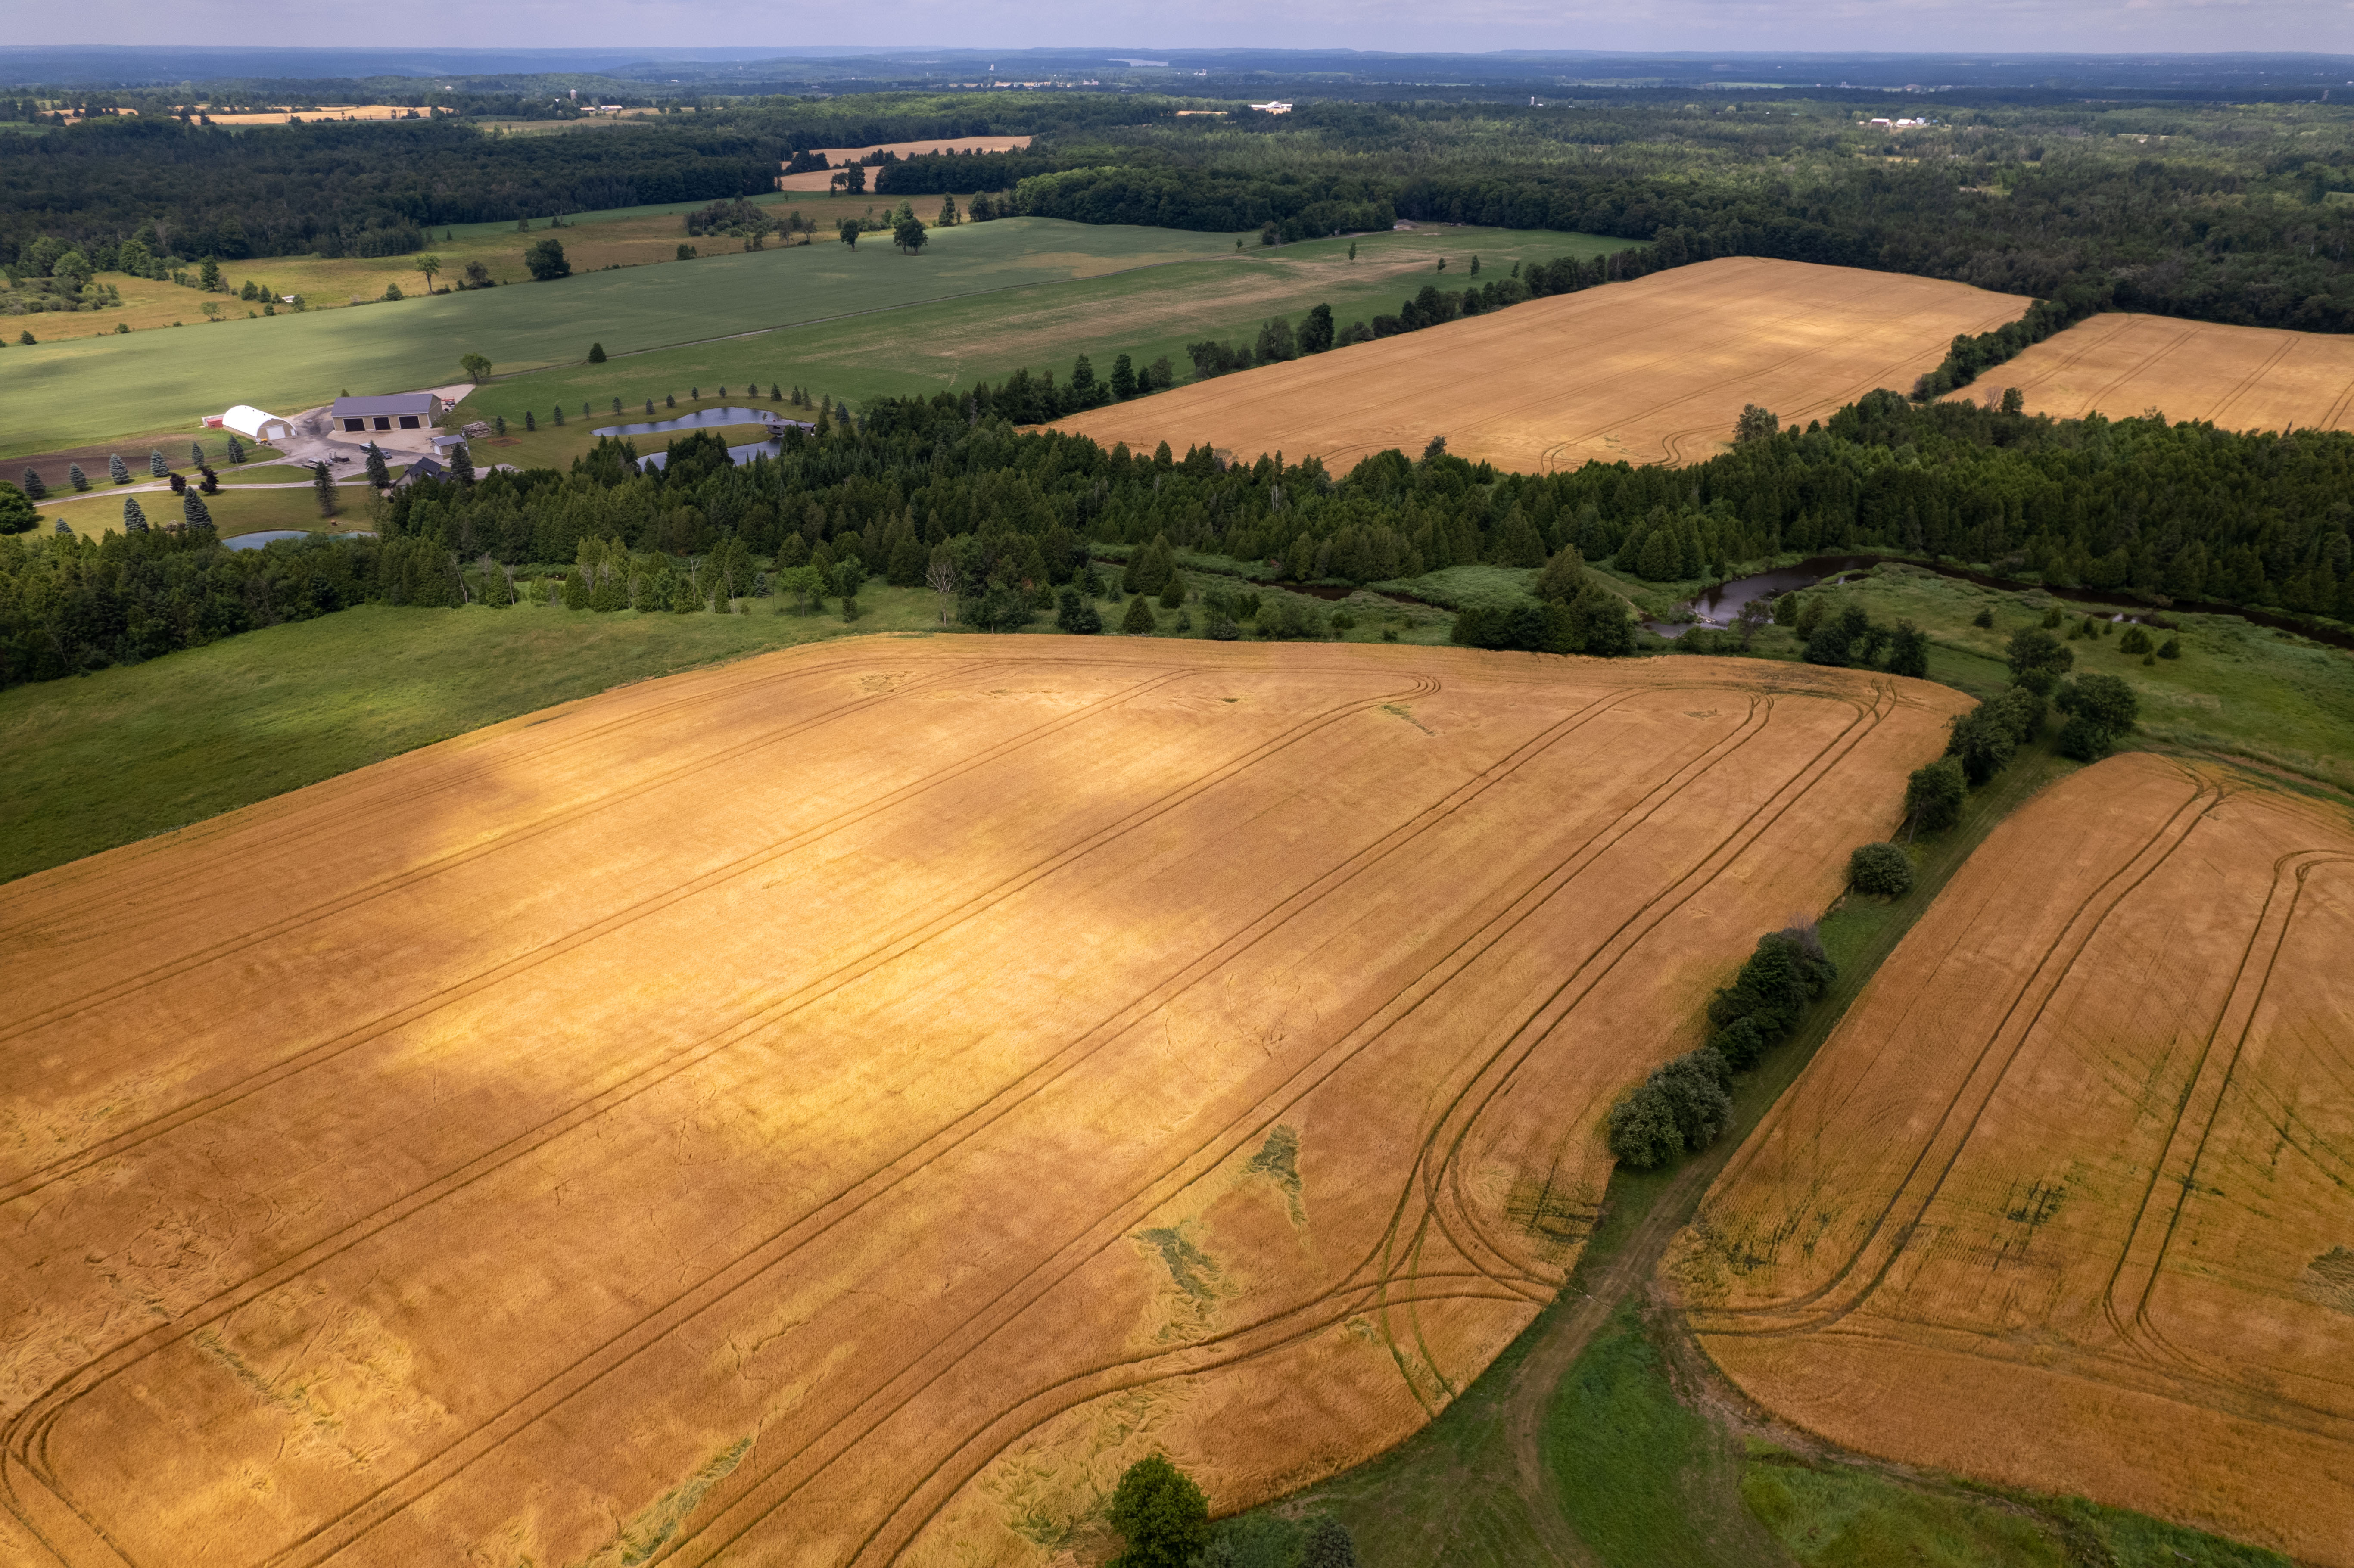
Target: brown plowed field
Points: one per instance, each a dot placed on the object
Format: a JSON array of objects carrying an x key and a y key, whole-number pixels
[
  {"x": 2067, "y": 1202},
  {"x": 2239, "y": 378},
  {"x": 844, "y": 1107},
  {"x": 1652, "y": 371}
]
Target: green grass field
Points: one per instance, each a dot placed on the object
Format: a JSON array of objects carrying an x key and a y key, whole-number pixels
[{"x": 980, "y": 301}]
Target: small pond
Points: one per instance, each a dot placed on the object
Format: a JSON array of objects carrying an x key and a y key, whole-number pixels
[
  {"x": 736, "y": 455},
  {"x": 701, "y": 418},
  {"x": 273, "y": 536}
]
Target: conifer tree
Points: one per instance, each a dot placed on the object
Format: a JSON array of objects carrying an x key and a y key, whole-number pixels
[
  {"x": 197, "y": 454},
  {"x": 156, "y": 464},
  {"x": 461, "y": 463},
  {"x": 133, "y": 520},
  {"x": 322, "y": 486},
  {"x": 236, "y": 452},
  {"x": 1562, "y": 576},
  {"x": 63, "y": 528},
  {"x": 192, "y": 510},
  {"x": 530, "y": 422},
  {"x": 1139, "y": 620},
  {"x": 379, "y": 473},
  {"x": 34, "y": 487},
  {"x": 117, "y": 469},
  {"x": 559, "y": 416},
  {"x": 75, "y": 477}
]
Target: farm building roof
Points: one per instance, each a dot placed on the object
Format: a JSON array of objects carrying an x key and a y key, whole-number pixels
[{"x": 391, "y": 403}]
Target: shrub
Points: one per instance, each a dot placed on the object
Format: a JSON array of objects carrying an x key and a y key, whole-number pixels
[
  {"x": 1883, "y": 870},
  {"x": 1172, "y": 592},
  {"x": 2136, "y": 641},
  {"x": 1934, "y": 795},
  {"x": 2171, "y": 649},
  {"x": 1288, "y": 619},
  {"x": 596, "y": 353},
  {"x": 1139, "y": 619},
  {"x": 1983, "y": 619}
]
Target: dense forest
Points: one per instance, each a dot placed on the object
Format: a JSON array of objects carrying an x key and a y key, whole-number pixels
[{"x": 2170, "y": 513}]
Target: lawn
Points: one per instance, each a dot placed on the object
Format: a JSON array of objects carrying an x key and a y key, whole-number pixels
[
  {"x": 106, "y": 758},
  {"x": 980, "y": 301},
  {"x": 235, "y": 510}
]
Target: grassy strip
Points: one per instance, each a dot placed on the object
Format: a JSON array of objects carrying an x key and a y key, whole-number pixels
[{"x": 102, "y": 759}]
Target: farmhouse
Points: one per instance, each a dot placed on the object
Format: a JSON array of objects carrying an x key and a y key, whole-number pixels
[
  {"x": 247, "y": 421},
  {"x": 398, "y": 411}
]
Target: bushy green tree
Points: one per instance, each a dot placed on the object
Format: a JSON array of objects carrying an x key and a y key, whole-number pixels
[
  {"x": 2036, "y": 649},
  {"x": 545, "y": 260},
  {"x": 75, "y": 477},
  {"x": 16, "y": 509},
  {"x": 1172, "y": 592},
  {"x": 1161, "y": 1513},
  {"x": 1908, "y": 652},
  {"x": 1327, "y": 1546},
  {"x": 156, "y": 464},
  {"x": 1563, "y": 577},
  {"x": 192, "y": 510},
  {"x": 1641, "y": 1128},
  {"x": 236, "y": 452},
  {"x": 135, "y": 521},
  {"x": 596, "y": 353},
  {"x": 1076, "y": 614},
  {"x": 1934, "y": 794},
  {"x": 34, "y": 487},
  {"x": 1884, "y": 869},
  {"x": 2101, "y": 709},
  {"x": 1983, "y": 741},
  {"x": 1139, "y": 620},
  {"x": 379, "y": 473}
]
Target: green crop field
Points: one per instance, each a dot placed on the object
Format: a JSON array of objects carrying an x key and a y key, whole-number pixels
[{"x": 980, "y": 299}]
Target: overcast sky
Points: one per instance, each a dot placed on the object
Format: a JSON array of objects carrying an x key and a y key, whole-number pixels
[{"x": 1847, "y": 26}]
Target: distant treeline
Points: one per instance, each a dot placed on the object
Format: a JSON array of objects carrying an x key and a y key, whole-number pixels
[{"x": 2182, "y": 511}]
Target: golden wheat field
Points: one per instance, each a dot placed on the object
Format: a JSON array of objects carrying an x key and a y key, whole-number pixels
[
  {"x": 844, "y": 1107},
  {"x": 2067, "y": 1202},
  {"x": 2238, "y": 378},
  {"x": 1656, "y": 370},
  {"x": 840, "y": 157}
]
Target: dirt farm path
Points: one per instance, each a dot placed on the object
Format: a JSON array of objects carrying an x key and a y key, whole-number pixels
[{"x": 1627, "y": 1269}]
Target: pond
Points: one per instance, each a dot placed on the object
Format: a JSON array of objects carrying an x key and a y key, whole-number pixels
[
  {"x": 701, "y": 418},
  {"x": 736, "y": 455},
  {"x": 273, "y": 535}
]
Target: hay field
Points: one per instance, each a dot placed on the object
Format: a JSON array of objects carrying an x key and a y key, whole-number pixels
[
  {"x": 1656, "y": 370},
  {"x": 821, "y": 179},
  {"x": 2238, "y": 378},
  {"x": 843, "y": 1106},
  {"x": 2067, "y": 1202}
]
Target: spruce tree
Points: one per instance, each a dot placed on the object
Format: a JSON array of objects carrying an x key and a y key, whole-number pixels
[
  {"x": 156, "y": 464},
  {"x": 34, "y": 487},
  {"x": 193, "y": 511},
  {"x": 530, "y": 420},
  {"x": 236, "y": 452},
  {"x": 379, "y": 473},
  {"x": 1562, "y": 576},
  {"x": 75, "y": 477},
  {"x": 133, "y": 520},
  {"x": 1172, "y": 592},
  {"x": 461, "y": 463},
  {"x": 117, "y": 469},
  {"x": 197, "y": 454},
  {"x": 322, "y": 486},
  {"x": 62, "y": 528},
  {"x": 1139, "y": 619},
  {"x": 559, "y": 416}
]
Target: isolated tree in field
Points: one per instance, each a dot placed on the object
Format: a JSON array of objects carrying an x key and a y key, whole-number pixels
[
  {"x": 545, "y": 260},
  {"x": 135, "y": 521},
  {"x": 1883, "y": 870},
  {"x": 379, "y": 473},
  {"x": 847, "y": 229},
  {"x": 156, "y": 464},
  {"x": 2035, "y": 649},
  {"x": 34, "y": 487},
  {"x": 907, "y": 232},
  {"x": 1982, "y": 742},
  {"x": 596, "y": 353},
  {"x": 1138, "y": 621},
  {"x": 1755, "y": 424},
  {"x": 948, "y": 219},
  {"x": 1172, "y": 592},
  {"x": 323, "y": 489},
  {"x": 75, "y": 477},
  {"x": 428, "y": 265},
  {"x": 1329, "y": 1546},
  {"x": 192, "y": 510},
  {"x": 559, "y": 416},
  {"x": 117, "y": 469},
  {"x": 1162, "y": 1514},
  {"x": 1934, "y": 795},
  {"x": 477, "y": 366},
  {"x": 197, "y": 453},
  {"x": 1352, "y": 251},
  {"x": 943, "y": 579},
  {"x": 462, "y": 464},
  {"x": 209, "y": 275},
  {"x": 236, "y": 452}
]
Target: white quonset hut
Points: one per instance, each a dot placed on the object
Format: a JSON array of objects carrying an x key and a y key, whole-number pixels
[
  {"x": 247, "y": 421},
  {"x": 397, "y": 411}
]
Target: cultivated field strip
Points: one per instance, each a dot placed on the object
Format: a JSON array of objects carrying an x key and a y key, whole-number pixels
[
  {"x": 880, "y": 1135},
  {"x": 1655, "y": 370},
  {"x": 2236, "y": 377},
  {"x": 2074, "y": 1170}
]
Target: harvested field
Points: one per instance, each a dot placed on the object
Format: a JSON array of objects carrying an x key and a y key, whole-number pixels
[
  {"x": 2067, "y": 1202},
  {"x": 2238, "y": 378},
  {"x": 1652, "y": 371},
  {"x": 843, "y": 1106},
  {"x": 821, "y": 179}
]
